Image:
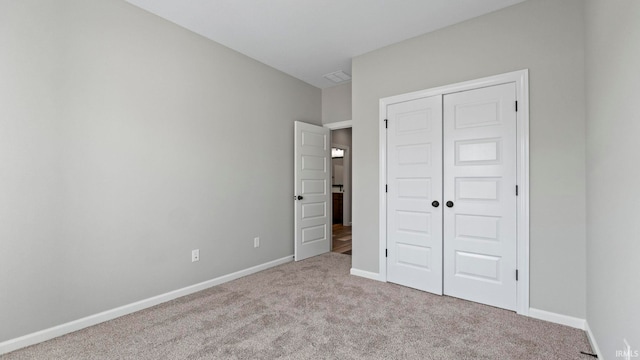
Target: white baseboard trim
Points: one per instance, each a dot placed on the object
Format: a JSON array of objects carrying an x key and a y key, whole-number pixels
[
  {"x": 574, "y": 322},
  {"x": 66, "y": 328},
  {"x": 592, "y": 341},
  {"x": 367, "y": 274}
]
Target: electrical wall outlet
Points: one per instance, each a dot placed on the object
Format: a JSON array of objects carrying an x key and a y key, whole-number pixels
[
  {"x": 256, "y": 242},
  {"x": 195, "y": 255}
]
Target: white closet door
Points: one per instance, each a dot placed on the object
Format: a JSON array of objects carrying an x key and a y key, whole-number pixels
[
  {"x": 414, "y": 179},
  {"x": 480, "y": 195}
]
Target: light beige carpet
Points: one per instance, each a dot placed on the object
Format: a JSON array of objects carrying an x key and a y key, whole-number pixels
[{"x": 314, "y": 309}]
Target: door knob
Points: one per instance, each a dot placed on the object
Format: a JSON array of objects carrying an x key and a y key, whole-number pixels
[
  {"x": 449, "y": 203},
  {"x": 435, "y": 204},
  {"x": 300, "y": 197}
]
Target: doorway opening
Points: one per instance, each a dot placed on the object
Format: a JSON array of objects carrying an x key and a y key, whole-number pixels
[{"x": 341, "y": 190}]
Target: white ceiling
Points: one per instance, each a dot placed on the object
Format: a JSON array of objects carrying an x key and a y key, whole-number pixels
[{"x": 310, "y": 38}]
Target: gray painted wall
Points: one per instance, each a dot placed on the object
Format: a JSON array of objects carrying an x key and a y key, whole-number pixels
[
  {"x": 613, "y": 170},
  {"x": 336, "y": 103},
  {"x": 545, "y": 36},
  {"x": 126, "y": 142}
]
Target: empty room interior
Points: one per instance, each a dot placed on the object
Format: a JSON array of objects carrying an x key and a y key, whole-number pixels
[{"x": 168, "y": 187}]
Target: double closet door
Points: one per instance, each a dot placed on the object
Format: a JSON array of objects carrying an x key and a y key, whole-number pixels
[{"x": 451, "y": 194}]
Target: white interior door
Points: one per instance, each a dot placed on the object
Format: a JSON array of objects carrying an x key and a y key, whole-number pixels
[
  {"x": 414, "y": 203},
  {"x": 480, "y": 195},
  {"x": 312, "y": 193}
]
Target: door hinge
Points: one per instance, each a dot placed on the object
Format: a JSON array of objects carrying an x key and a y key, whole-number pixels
[
  {"x": 386, "y": 188},
  {"x": 386, "y": 252},
  {"x": 516, "y": 275},
  {"x": 516, "y": 190},
  {"x": 386, "y": 123},
  {"x": 516, "y": 106}
]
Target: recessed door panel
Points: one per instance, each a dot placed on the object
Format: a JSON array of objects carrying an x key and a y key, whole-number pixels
[
  {"x": 314, "y": 163},
  {"x": 477, "y": 188},
  {"x": 314, "y": 210},
  {"x": 484, "y": 113},
  {"x": 313, "y": 187},
  {"x": 412, "y": 122},
  {"x": 478, "y": 267},
  {"x": 416, "y": 188},
  {"x": 414, "y": 154},
  {"x": 414, "y": 256},
  {"x": 478, "y": 227},
  {"x": 478, "y": 152},
  {"x": 313, "y": 139},
  {"x": 314, "y": 233},
  {"x": 413, "y": 221}
]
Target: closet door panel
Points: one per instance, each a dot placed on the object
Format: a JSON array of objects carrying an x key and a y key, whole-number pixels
[
  {"x": 480, "y": 198},
  {"x": 414, "y": 183}
]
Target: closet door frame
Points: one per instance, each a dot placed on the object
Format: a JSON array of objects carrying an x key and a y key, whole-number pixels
[{"x": 521, "y": 80}]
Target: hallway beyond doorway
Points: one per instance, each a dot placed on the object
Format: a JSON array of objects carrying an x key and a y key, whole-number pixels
[{"x": 341, "y": 239}]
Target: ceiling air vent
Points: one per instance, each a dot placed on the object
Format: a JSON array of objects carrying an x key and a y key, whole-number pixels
[{"x": 337, "y": 77}]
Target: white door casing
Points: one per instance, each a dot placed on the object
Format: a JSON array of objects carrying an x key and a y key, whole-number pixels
[
  {"x": 414, "y": 150},
  {"x": 480, "y": 195},
  {"x": 312, "y": 190},
  {"x": 519, "y": 79}
]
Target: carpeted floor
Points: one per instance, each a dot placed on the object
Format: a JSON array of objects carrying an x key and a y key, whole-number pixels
[{"x": 314, "y": 309}]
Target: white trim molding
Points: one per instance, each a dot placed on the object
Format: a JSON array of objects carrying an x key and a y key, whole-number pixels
[
  {"x": 571, "y": 321},
  {"x": 521, "y": 79},
  {"x": 339, "y": 125},
  {"x": 382, "y": 197},
  {"x": 367, "y": 274},
  {"x": 592, "y": 340},
  {"x": 66, "y": 328}
]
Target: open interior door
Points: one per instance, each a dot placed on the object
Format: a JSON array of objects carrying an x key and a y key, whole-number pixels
[{"x": 312, "y": 193}]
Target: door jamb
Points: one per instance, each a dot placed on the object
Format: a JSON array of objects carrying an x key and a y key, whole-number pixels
[
  {"x": 339, "y": 125},
  {"x": 521, "y": 79}
]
